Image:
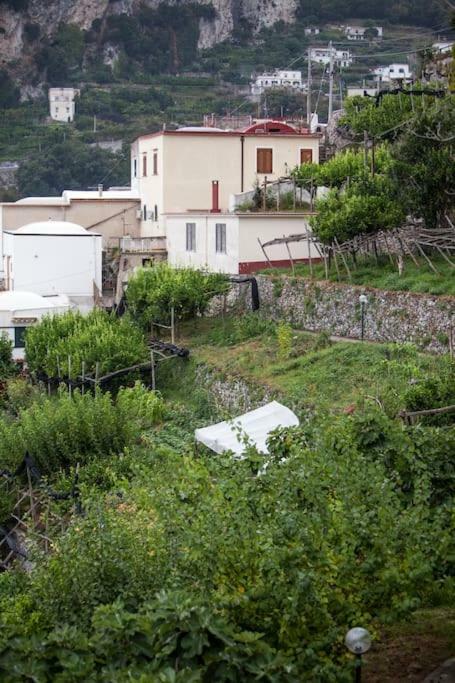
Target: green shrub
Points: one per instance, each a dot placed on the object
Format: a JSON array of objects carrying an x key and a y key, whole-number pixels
[
  {"x": 7, "y": 367},
  {"x": 73, "y": 339},
  {"x": 153, "y": 291},
  {"x": 60, "y": 431},
  {"x": 433, "y": 392}
]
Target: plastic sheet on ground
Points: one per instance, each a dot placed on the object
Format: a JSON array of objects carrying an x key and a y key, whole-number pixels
[{"x": 255, "y": 426}]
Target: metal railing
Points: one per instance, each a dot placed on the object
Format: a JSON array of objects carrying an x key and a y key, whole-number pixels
[{"x": 142, "y": 244}]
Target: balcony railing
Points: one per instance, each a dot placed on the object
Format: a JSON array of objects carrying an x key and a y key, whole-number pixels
[{"x": 142, "y": 244}]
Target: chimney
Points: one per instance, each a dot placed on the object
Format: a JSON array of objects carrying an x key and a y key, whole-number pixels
[
  {"x": 100, "y": 190},
  {"x": 215, "y": 197}
]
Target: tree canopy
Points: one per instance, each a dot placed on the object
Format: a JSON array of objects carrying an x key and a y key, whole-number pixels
[{"x": 68, "y": 164}]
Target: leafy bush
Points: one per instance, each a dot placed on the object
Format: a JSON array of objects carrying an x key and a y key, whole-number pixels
[
  {"x": 7, "y": 367},
  {"x": 433, "y": 392},
  {"x": 153, "y": 291},
  {"x": 286, "y": 561},
  {"x": 61, "y": 431},
  {"x": 73, "y": 338}
]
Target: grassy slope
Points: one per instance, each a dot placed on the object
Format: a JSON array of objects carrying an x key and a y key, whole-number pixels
[
  {"x": 385, "y": 275},
  {"x": 314, "y": 375}
]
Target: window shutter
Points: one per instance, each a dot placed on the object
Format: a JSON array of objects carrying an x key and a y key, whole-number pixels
[
  {"x": 306, "y": 156},
  {"x": 264, "y": 160},
  {"x": 144, "y": 165}
]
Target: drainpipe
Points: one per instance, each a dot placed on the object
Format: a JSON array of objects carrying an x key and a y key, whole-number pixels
[
  {"x": 215, "y": 197},
  {"x": 242, "y": 161}
]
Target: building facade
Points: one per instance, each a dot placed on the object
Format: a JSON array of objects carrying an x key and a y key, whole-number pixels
[
  {"x": 360, "y": 33},
  {"x": 21, "y": 310},
  {"x": 229, "y": 243},
  {"x": 321, "y": 55},
  {"x": 175, "y": 171},
  {"x": 278, "y": 79},
  {"x": 53, "y": 258},
  {"x": 113, "y": 214},
  {"x": 62, "y": 105},
  {"x": 392, "y": 73}
]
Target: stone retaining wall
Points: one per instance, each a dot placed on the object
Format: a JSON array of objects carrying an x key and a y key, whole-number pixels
[{"x": 428, "y": 321}]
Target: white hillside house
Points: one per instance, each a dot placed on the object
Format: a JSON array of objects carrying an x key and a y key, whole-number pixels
[
  {"x": 321, "y": 55},
  {"x": 359, "y": 33},
  {"x": 62, "y": 104},
  {"x": 392, "y": 73},
  {"x": 21, "y": 310},
  {"x": 277, "y": 79},
  {"x": 443, "y": 46},
  {"x": 54, "y": 258}
]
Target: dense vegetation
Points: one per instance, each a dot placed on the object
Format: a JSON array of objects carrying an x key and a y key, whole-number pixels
[
  {"x": 67, "y": 345},
  {"x": 413, "y": 174},
  {"x": 152, "y": 292},
  {"x": 415, "y": 12},
  {"x": 67, "y": 163},
  {"x": 206, "y": 568}
]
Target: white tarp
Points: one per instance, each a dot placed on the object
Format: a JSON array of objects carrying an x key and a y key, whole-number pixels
[{"x": 256, "y": 425}]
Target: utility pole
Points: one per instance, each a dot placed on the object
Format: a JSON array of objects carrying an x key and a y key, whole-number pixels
[
  {"x": 330, "y": 82},
  {"x": 94, "y": 123},
  {"x": 308, "y": 94}
]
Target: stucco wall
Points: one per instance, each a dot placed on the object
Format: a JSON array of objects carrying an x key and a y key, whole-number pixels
[
  {"x": 54, "y": 264},
  {"x": 111, "y": 218},
  {"x": 390, "y": 316},
  {"x": 188, "y": 162},
  {"x": 205, "y": 255}
]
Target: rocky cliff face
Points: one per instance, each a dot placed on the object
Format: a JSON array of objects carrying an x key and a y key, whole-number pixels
[{"x": 48, "y": 15}]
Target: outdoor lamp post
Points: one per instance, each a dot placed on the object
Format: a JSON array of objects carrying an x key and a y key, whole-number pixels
[
  {"x": 358, "y": 641},
  {"x": 363, "y": 300}
]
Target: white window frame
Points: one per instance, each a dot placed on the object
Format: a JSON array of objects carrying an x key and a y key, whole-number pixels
[{"x": 220, "y": 238}]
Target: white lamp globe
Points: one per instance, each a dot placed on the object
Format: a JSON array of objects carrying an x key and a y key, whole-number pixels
[
  {"x": 363, "y": 299},
  {"x": 358, "y": 640}
]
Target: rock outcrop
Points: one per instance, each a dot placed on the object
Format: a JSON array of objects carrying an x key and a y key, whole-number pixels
[{"x": 48, "y": 15}]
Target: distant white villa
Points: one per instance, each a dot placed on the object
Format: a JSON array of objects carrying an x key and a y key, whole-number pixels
[
  {"x": 61, "y": 104},
  {"x": 392, "y": 73},
  {"x": 443, "y": 46},
  {"x": 312, "y": 31},
  {"x": 321, "y": 55},
  {"x": 277, "y": 79},
  {"x": 358, "y": 32}
]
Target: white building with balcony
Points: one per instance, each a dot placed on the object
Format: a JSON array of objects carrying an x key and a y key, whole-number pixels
[
  {"x": 321, "y": 55},
  {"x": 62, "y": 105},
  {"x": 278, "y": 79},
  {"x": 392, "y": 73}
]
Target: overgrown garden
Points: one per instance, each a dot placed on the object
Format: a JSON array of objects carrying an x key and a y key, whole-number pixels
[{"x": 184, "y": 566}]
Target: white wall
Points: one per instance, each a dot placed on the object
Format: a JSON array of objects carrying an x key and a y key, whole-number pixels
[
  {"x": 54, "y": 264},
  {"x": 242, "y": 248},
  {"x": 7, "y": 327},
  {"x": 267, "y": 227},
  {"x": 187, "y": 164},
  {"x": 205, "y": 255}
]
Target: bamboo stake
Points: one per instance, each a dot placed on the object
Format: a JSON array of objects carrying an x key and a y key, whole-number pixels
[
  {"x": 428, "y": 260},
  {"x": 152, "y": 367},
  {"x": 344, "y": 260},
  {"x": 290, "y": 257},
  {"x": 309, "y": 254},
  {"x": 265, "y": 254}
]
